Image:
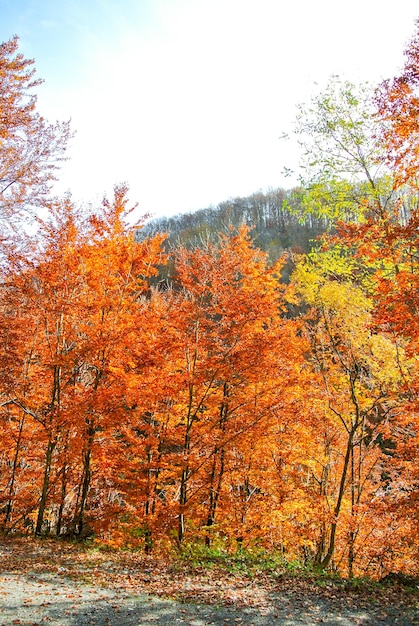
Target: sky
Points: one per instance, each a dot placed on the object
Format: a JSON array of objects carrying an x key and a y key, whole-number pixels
[{"x": 187, "y": 100}]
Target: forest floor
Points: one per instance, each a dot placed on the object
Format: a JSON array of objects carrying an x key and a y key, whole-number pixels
[{"x": 61, "y": 584}]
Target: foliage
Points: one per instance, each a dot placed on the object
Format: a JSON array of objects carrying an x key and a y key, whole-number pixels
[
  {"x": 30, "y": 147},
  {"x": 181, "y": 396},
  {"x": 337, "y": 132}
]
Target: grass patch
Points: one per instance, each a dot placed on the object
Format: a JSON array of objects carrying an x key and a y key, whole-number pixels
[{"x": 243, "y": 561}]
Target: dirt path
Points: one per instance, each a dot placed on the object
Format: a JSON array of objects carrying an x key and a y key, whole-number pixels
[
  {"x": 45, "y": 584},
  {"x": 35, "y": 600}
]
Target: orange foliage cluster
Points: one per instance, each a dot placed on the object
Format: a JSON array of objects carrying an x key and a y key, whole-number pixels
[{"x": 208, "y": 409}]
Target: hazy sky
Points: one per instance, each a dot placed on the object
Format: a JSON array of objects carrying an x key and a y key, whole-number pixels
[{"x": 185, "y": 100}]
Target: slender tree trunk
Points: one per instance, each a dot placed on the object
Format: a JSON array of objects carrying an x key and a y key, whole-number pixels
[
  {"x": 215, "y": 489},
  {"x": 183, "y": 498},
  {"x": 331, "y": 548},
  {"x": 11, "y": 490},
  {"x": 63, "y": 494},
  {"x": 9, "y": 506},
  {"x": 323, "y": 530},
  {"x": 218, "y": 459},
  {"x": 150, "y": 503},
  {"x": 45, "y": 485},
  {"x": 357, "y": 470},
  {"x": 52, "y": 442},
  {"x": 62, "y": 500},
  {"x": 78, "y": 520},
  {"x": 212, "y": 498},
  {"x": 351, "y": 537},
  {"x": 183, "y": 488}
]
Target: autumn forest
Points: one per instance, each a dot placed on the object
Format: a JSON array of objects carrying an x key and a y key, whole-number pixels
[{"x": 244, "y": 377}]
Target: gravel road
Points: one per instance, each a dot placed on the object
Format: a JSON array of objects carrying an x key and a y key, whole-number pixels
[{"x": 37, "y": 599}]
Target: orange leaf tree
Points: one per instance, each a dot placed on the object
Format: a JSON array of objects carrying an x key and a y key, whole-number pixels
[
  {"x": 232, "y": 349},
  {"x": 359, "y": 379},
  {"x": 80, "y": 295}
]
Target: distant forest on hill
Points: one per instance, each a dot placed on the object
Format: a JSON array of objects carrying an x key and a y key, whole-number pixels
[{"x": 276, "y": 218}]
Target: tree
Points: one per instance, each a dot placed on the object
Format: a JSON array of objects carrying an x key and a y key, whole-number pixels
[
  {"x": 342, "y": 156},
  {"x": 115, "y": 268},
  {"x": 231, "y": 354},
  {"x": 44, "y": 293},
  {"x": 382, "y": 232},
  {"x": 360, "y": 379},
  {"x": 397, "y": 102},
  {"x": 396, "y": 250},
  {"x": 79, "y": 299},
  {"x": 30, "y": 147}
]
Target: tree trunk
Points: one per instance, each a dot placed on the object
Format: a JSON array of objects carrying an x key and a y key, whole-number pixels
[
  {"x": 218, "y": 455},
  {"x": 45, "y": 485},
  {"x": 52, "y": 442},
  {"x": 183, "y": 489},
  {"x": 9, "y": 505},
  {"x": 63, "y": 489},
  {"x": 78, "y": 520},
  {"x": 323, "y": 529},
  {"x": 331, "y": 548}
]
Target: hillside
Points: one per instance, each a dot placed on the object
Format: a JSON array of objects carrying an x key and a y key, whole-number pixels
[{"x": 275, "y": 217}]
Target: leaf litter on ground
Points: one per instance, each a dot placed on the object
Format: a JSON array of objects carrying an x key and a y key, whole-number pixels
[{"x": 275, "y": 592}]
